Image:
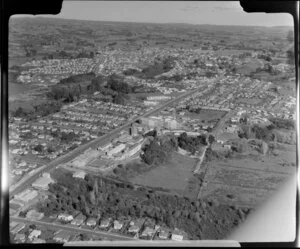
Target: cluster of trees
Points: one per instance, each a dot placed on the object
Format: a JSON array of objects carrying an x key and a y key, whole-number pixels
[
  {"x": 29, "y": 50},
  {"x": 67, "y": 137},
  {"x": 70, "y": 89},
  {"x": 264, "y": 57},
  {"x": 97, "y": 196},
  {"x": 210, "y": 74},
  {"x": 78, "y": 78},
  {"x": 66, "y": 93},
  {"x": 84, "y": 54},
  {"x": 159, "y": 150},
  {"x": 114, "y": 88},
  {"x": 38, "y": 148},
  {"x": 116, "y": 83},
  {"x": 265, "y": 133},
  {"x": 38, "y": 110},
  {"x": 191, "y": 144},
  {"x": 64, "y": 55},
  {"x": 244, "y": 55},
  {"x": 97, "y": 84},
  {"x": 267, "y": 68},
  {"x": 160, "y": 66},
  {"x": 258, "y": 132},
  {"x": 281, "y": 123},
  {"x": 130, "y": 170}
]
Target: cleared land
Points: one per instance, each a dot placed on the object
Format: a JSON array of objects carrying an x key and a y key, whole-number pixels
[
  {"x": 173, "y": 175},
  {"x": 248, "y": 181}
]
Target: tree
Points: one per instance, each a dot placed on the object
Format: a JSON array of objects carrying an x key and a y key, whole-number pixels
[
  {"x": 20, "y": 112},
  {"x": 211, "y": 139},
  {"x": 95, "y": 187},
  {"x": 152, "y": 133},
  {"x": 117, "y": 84},
  {"x": 23, "y": 214},
  {"x": 38, "y": 148},
  {"x": 50, "y": 149},
  {"x": 67, "y": 137},
  {"x": 84, "y": 237},
  {"x": 86, "y": 209},
  {"x": 157, "y": 151}
]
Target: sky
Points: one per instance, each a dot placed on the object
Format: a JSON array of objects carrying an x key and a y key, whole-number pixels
[{"x": 209, "y": 12}]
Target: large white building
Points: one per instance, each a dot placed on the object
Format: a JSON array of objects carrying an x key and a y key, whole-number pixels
[
  {"x": 79, "y": 174},
  {"x": 116, "y": 150},
  {"x": 158, "y": 98},
  {"x": 26, "y": 195},
  {"x": 132, "y": 151},
  {"x": 42, "y": 183},
  {"x": 83, "y": 159},
  {"x": 150, "y": 103},
  {"x": 171, "y": 124}
]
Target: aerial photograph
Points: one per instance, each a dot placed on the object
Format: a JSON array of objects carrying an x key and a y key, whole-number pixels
[{"x": 137, "y": 120}]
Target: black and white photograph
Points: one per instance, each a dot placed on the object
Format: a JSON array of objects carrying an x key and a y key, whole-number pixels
[{"x": 151, "y": 122}]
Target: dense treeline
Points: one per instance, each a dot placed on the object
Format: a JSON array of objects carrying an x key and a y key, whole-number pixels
[
  {"x": 78, "y": 78},
  {"x": 191, "y": 144},
  {"x": 70, "y": 89},
  {"x": 257, "y": 131},
  {"x": 159, "y": 150},
  {"x": 160, "y": 66},
  {"x": 266, "y": 133},
  {"x": 38, "y": 110},
  {"x": 112, "y": 88},
  {"x": 281, "y": 123},
  {"x": 130, "y": 170},
  {"x": 96, "y": 196}
]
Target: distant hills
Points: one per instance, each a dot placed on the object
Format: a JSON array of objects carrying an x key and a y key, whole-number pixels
[{"x": 180, "y": 24}]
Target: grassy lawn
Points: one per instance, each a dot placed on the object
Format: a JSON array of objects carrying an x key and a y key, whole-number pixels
[
  {"x": 173, "y": 175},
  {"x": 206, "y": 115}
]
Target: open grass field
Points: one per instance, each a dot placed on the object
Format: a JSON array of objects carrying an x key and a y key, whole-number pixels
[
  {"x": 173, "y": 175},
  {"x": 206, "y": 115},
  {"x": 251, "y": 101},
  {"x": 229, "y": 52},
  {"x": 248, "y": 181}
]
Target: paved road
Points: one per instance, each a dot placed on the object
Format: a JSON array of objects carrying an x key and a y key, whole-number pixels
[
  {"x": 74, "y": 229},
  {"x": 218, "y": 129},
  {"x": 30, "y": 178}
]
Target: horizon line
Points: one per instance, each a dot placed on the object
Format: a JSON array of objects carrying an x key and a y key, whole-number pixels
[{"x": 138, "y": 22}]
